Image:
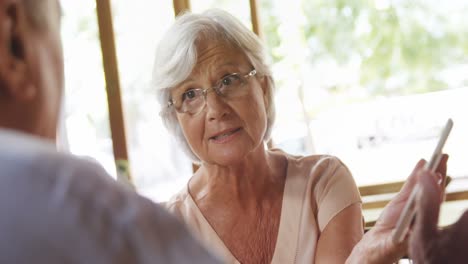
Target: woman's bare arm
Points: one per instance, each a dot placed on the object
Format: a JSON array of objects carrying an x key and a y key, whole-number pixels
[{"x": 340, "y": 236}]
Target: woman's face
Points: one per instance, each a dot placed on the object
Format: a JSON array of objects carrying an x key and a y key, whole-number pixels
[{"x": 226, "y": 130}]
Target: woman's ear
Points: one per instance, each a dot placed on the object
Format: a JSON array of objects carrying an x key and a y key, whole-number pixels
[{"x": 15, "y": 78}]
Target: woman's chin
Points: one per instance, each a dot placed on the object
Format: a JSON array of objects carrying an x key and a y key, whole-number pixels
[
  {"x": 231, "y": 154},
  {"x": 229, "y": 157}
]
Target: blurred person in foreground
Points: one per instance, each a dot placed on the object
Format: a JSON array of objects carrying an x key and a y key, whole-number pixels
[
  {"x": 247, "y": 203},
  {"x": 56, "y": 208},
  {"x": 428, "y": 243}
]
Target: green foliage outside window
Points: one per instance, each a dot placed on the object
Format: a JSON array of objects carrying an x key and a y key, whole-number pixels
[{"x": 400, "y": 47}]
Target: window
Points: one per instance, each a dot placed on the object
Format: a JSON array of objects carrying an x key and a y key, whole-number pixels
[
  {"x": 371, "y": 82},
  {"x": 159, "y": 168},
  {"x": 86, "y": 118},
  {"x": 86, "y": 130}
]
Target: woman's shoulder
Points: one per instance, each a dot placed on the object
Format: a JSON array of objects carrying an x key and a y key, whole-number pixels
[
  {"x": 316, "y": 171},
  {"x": 320, "y": 167},
  {"x": 308, "y": 162},
  {"x": 318, "y": 160}
]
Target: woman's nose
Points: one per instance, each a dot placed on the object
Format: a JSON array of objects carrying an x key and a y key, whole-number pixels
[{"x": 216, "y": 107}]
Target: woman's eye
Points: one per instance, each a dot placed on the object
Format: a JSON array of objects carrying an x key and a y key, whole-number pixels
[
  {"x": 190, "y": 94},
  {"x": 228, "y": 80}
]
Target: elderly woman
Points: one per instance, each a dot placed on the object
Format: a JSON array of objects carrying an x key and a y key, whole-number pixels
[{"x": 246, "y": 203}]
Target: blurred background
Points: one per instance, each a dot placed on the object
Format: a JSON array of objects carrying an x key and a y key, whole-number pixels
[{"x": 370, "y": 81}]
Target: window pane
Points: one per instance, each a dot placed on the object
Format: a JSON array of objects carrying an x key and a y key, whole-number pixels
[
  {"x": 371, "y": 82},
  {"x": 86, "y": 129},
  {"x": 159, "y": 169}
]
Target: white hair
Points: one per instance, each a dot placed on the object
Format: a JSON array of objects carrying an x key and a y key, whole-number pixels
[{"x": 176, "y": 57}]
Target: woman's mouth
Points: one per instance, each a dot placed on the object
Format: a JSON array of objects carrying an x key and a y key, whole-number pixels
[{"x": 225, "y": 136}]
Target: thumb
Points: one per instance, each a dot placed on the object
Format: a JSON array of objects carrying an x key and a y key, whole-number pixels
[{"x": 411, "y": 181}]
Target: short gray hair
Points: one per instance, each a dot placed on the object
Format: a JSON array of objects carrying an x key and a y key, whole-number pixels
[{"x": 176, "y": 56}]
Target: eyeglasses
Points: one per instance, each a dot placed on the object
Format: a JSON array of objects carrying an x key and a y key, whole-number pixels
[{"x": 193, "y": 101}]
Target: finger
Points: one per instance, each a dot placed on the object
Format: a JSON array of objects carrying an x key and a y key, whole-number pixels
[
  {"x": 428, "y": 207},
  {"x": 424, "y": 230},
  {"x": 393, "y": 209},
  {"x": 442, "y": 167},
  {"x": 442, "y": 173}
]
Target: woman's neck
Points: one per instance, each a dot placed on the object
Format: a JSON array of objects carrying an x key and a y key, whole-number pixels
[{"x": 258, "y": 176}]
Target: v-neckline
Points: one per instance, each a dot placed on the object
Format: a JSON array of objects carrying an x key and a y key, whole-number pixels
[{"x": 291, "y": 210}]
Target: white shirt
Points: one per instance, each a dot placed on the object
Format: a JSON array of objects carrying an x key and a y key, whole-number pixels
[{"x": 56, "y": 208}]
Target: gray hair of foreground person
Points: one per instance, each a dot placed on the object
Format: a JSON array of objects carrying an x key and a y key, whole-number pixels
[{"x": 176, "y": 58}]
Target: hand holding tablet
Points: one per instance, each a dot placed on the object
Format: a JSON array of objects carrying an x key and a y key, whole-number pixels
[{"x": 408, "y": 213}]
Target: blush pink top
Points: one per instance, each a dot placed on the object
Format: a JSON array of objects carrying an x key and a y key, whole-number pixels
[{"x": 316, "y": 189}]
